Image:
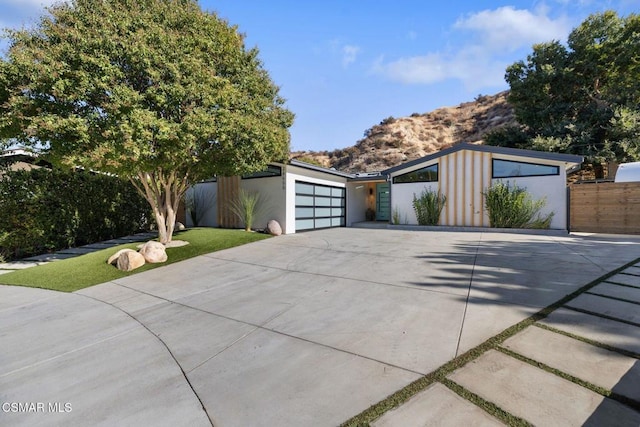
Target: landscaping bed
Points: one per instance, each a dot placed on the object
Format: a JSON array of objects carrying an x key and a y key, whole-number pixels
[{"x": 91, "y": 269}]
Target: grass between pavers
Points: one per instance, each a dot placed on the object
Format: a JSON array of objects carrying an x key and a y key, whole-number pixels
[
  {"x": 440, "y": 375},
  {"x": 91, "y": 269},
  {"x": 586, "y": 384}
]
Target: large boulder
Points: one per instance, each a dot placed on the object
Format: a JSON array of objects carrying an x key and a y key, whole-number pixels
[
  {"x": 273, "y": 228},
  {"x": 153, "y": 252},
  {"x": 129, "y": 260},
  {"x": 113, "y": 258}
]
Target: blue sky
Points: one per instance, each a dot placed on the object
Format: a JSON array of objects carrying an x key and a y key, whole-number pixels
[{"x": 343, "y": 66}]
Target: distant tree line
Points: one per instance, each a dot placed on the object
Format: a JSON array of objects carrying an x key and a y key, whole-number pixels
[{"x": 580, "y": 98}]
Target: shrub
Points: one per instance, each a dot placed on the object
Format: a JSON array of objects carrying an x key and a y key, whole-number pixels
[
  {"x": 389, "y": 120},
  {"x": 395, "y": 216},
  {"x": 512, "y": 207},
  {"x": 46, "y": 210},
  {"x": 428, "y": 207},
  {"x": 247, "y": 206}
]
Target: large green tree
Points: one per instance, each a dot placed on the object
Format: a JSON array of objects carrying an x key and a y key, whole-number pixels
[
  {"x": 582, "y": 97},
  {"x": 157, "y": 91}
]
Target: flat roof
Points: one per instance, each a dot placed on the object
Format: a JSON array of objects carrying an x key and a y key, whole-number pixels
[{"x": 305, "y": 165}]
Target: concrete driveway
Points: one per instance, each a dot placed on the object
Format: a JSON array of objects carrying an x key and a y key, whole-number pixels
[{"x": 305, "y": 329}]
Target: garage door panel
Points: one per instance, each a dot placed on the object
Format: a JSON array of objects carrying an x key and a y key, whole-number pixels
[
  {"x": 304, "y": 224},
  {"x": 302, "y": 188},
  {"x": 319, "y": 206},
  {"x": 304, "y": 212},
  {"x": 304, "y": 200}
]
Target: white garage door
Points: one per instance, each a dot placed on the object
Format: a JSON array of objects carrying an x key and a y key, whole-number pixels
[{"x": 319, "y": 206}]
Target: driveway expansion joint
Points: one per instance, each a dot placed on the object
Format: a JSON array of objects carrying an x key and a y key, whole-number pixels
[
  {"x": 468, "y": 296},
  {"x": 260, "y": 327},
  {"x": 164, "y": 344}
]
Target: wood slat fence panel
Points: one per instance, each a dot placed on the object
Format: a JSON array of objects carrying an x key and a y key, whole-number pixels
[{"x": 605, "y": 207}]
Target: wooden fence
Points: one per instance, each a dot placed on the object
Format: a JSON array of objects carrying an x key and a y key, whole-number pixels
[{"x": 605, "y": 207}]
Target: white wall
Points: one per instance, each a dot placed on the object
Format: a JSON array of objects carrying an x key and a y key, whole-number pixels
[
  {"x": 553, "y": 188},
  {"x": 295, "y": 173},
  {"x": 402, "y": 199},
  {"x": 357, "y": 193},
  {"x": 464, "y": 175},
  {"x": 206, "y": 196},
  {"x": 272, "y": 193}
]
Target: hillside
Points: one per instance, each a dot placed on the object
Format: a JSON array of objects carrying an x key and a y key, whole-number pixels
[{"x": 397, "y": 140}]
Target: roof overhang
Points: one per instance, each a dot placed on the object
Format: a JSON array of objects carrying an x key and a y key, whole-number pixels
[{"x": 570, "y": 161}]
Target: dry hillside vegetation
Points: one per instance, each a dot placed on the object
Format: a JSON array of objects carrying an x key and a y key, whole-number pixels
[{"x": 397, "y": 140}]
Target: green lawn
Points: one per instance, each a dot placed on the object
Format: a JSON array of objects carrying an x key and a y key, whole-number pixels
[{"x": 87, "y": 270}]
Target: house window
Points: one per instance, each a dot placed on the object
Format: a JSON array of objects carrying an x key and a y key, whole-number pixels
[
  {"x": 509, "y": 168},
  {"x": 270, "y": 171},
  {"x": 426, "y": 174}
]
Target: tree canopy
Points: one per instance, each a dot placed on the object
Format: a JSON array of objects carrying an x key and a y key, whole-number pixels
[
  {"x": 582, "y": 97},
  {"x": 157, "y": 91}
]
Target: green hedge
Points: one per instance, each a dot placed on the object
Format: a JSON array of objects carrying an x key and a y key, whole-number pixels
[{"x": 44, "y": 210}]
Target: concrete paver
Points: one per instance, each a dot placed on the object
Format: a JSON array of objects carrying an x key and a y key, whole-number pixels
[
  {"x": 609, "y": 307},
  {"x": 436, "y": 406},
  {"x": 610, "y": 332},
  {"x": 538, "y": 396},
  {"x": 627, "y": 279},
  {"x": 19, "y": 265},
  {"x": 58, "y": 256},
  {"x": 596, "y": 365},
  {"x": 616, "y": 291}
]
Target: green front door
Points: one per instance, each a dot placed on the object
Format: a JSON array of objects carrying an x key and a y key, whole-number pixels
[{"x": 383, "y": 199}]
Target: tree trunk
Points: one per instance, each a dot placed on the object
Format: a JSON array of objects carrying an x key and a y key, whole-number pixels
[{"x": 163, "y": 192}]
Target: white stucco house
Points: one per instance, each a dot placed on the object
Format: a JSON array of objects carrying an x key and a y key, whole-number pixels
[{"x": 302, "y": 197}]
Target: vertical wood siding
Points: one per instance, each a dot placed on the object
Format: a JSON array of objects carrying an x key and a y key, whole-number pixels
[
  {"x": 464, "y": 175},
  {"x": 228, "y": 188}
]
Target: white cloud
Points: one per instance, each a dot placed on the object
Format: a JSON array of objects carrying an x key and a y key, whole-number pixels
[
  {"x": 509, "y": 28},
  {"x": 473, "y": 69},
  {"x": 349, "y": 54},
  {"x": 480, "y": 61}
]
